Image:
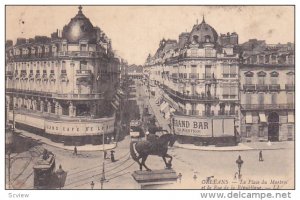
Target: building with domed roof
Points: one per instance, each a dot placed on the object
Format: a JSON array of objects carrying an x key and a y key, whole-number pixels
[
  {"x": 65, "y": 87},
  {"x": 196, "y": 78}
]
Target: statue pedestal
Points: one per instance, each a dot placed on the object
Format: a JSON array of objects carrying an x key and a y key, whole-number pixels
[{"x": 147, "y": 179}]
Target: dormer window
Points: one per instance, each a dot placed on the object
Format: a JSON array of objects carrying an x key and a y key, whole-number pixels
[{"x": 207, "y": 38}]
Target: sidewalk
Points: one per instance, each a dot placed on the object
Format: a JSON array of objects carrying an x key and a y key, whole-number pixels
[
  {"x": 87, "y": 147},
  {"x": 241, "y": 146}
]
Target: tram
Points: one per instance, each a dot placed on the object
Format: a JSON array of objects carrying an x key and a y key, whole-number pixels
[
  {"x": 44, "y": 170},
  {"x": 136, "y": 129}
]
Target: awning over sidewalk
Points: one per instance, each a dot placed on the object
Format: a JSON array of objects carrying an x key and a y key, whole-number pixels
[
  {"x": 162, "y": 105},
  {"x": 262, "y": 117},
  {"x": 172, "y": 110},
  {"x": 248, "y": 118},
  {"x": 167, "y": 115},
  {"x": 291, "y": 118},
  {"x": 165, "y": 108}
]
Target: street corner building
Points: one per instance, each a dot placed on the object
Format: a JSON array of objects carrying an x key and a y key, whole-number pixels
[
  {"x": 65, "y": 87},
  {"x": 267, "y": 91},
  {"x": 214, "y": 91}
]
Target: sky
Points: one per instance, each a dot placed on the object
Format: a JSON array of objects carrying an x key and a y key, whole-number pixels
[{"x": 136, "y": 31}]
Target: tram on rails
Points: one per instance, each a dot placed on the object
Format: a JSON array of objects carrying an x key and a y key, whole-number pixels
[{"x": 44, "y": 170}]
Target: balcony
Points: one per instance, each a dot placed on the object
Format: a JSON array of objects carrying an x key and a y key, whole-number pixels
[
  {"x": 187, "y": 97},
  {"x": 249, "y": 87},
  {"x": 229, "y": 75},
  {"x": 274, "y": 87},
  {"x": 261, "y": 87},
  {"x": 267, "y": 106},
  {"x": 78, "y": 96},
  {"x": 82, "y": 54},
  {"x": 56, "y": 95},
  {"x": 194, "y": 76},
  {"x": 289, "y": 87}
]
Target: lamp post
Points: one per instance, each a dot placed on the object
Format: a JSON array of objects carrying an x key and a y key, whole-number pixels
[
  {"x": 60, "y": 172},
  {"x": 92, "y": 185}
]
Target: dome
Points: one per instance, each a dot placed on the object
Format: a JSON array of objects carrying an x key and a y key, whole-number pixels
[
  {"x": 203, "y": 33},
  {"x": 79, "y": 28}
]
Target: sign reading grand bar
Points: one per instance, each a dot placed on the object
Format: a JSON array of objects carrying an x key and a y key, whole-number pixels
[{"x": 203, "y": 126}]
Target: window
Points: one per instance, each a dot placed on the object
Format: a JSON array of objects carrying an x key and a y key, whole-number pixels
[
  {"x": 83, "y": 65},
  {"x": 274, "y": 98},
  {"x": 261, "y": 80},
  {"x": 248, "y": 80},
  {"x": 233, "y": 70},
  {"x": 209, "y": 53},
  {"x": 273, "y": 80},
  {"x": 222, "y": 109},
  {"x": 226, "y": 71},
  {"x": 290, "y": 98},
  {"x": 290, "y": 131},
  {"x": 64, "y": 47},
  {"x": 63, "y": 67},
  {"x": 83, "y": 47},
  {"x": 194, "y": 52},
  {"x": 232, "y": 109},
  {"x": 229, "y": 91},
  {"x": 290, "y": 79},
  {"x": 261, "y": 98},
  {"x": 248, "y": 131},
  {"x": 208, "y": 71},
  {"x": 207, "y": 109},
  {"x": 261, "y": 131}
]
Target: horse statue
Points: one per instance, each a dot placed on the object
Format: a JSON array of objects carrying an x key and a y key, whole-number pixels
[{"x": 158, "y": 147}]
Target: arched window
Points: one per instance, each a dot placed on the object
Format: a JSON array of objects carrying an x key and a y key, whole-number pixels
[{"x": 207, "y": 38}]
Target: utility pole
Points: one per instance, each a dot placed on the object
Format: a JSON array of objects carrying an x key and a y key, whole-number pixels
[
  {"x": 103, "y": 163},
  {"x": 9, "y": 162}
]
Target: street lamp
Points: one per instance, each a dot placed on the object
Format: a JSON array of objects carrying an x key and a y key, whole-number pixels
[
  {"x": 60, "y": 172},
  {"x": 239, "y": 163}
]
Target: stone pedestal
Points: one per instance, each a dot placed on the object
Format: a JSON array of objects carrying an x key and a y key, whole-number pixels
[{"x": 156, "y": 177}]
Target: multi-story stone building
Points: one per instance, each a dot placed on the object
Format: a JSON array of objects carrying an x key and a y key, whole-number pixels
[
  {"x": 267, "y": 93},
  {"x": 64, "y": 86},
  {"x": 198, "y": 77}
]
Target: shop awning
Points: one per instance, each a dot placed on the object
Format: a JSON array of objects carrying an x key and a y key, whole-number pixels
[
  {"x": 165, "y": 108},
  {"x": 262, "y": 117},
  {"x": 291, "y": 118},
  {"x": 248, "y": 118},
  {"x": 172, "y": 110},
  {"x": 167, "y": 115},
  {"x": 162, "y": 105}
]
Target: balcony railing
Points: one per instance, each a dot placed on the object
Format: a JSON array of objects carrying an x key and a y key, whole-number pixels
[
  {"x": 267, "y": 106},
  {"x": 290, "y": 87},
  {"x": 78, "y": 96},
  {"x": 274, "y": 87},
  {"x": 194, "y": 75},
  {"x": 249, "y": 87},
  {"x": 261, "y": 87},
  {"x": 56, "y": 95},
  {"x": 187, "y": 97}
]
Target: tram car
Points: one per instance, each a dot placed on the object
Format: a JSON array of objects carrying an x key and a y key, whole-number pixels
[{"x": 44, "y": 171}]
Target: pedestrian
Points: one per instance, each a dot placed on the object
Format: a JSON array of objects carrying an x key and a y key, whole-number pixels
[
  {"x": 239, "y": 162},
  {"x": 112, "y": 156},
  {"x": 260, "y": 156},
  {"x": 75, "y": 151},
  {"x": 105, "y": 154}
]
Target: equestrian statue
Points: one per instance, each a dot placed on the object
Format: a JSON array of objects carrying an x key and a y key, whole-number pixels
[{"x": 154, "y": 145}]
